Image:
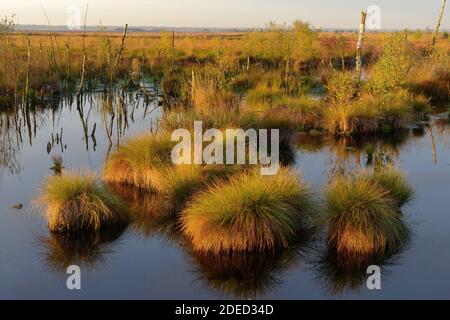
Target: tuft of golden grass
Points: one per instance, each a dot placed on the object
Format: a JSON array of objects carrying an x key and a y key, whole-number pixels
[
  {"x": 394, "y": 181},
  {"x": 249, "y": 212},
  {"x": 77, "y": 201},
  {"x": 138, "y": 160},
  {"x": 362, "y": 216},
  {"x": 180, "y": 181},
  {"x": 352, "y": 118},
  {"x": 207, "y": 97}
]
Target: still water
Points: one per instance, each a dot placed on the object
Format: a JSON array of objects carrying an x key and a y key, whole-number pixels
[{"x": 142, "y": 263}]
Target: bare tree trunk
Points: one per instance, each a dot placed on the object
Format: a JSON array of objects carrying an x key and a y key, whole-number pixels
[
  {"x": 362, "y": 30},
  {"x": 439, "y": 23}
]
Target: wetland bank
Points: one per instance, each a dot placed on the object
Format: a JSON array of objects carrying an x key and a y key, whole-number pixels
[{"x": 86, "y": 124}]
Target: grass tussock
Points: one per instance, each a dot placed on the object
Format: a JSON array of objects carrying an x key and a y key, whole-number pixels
[
  {"x": 180, "y": 181},
  {"x": 351, "y": 118},
  {"x": 139, "y": 160},
  {"x": 362, "y": 213},
  {"x": 206, "y": 96},
  {"x": 394, "y": 181},
  {"x": 215, "y": 119},
  {"x": 249, "y": 212},
  {"x": 76, "y": 202},
  {"x": 372, "y": 114}
]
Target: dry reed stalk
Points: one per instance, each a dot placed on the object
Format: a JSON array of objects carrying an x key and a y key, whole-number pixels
[{"x": 439, "y": 23}]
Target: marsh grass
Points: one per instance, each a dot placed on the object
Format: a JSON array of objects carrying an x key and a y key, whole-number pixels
[
  {"x": 207, "y": 95},
  {"x": 362, "y": 215},
  {"x": 351, "y": 118},
  {"x": 249, "y": 212},
  {"x": 214, "y": 119},
  {"x": 77, "y": 201},
  {"x": 394, "y": 181},
  {"x": 373, "y": 114},
  {"x": 138, "y": 161},
  {"x": 179, "y": 182},
  {"x": 300, "y": 112}
]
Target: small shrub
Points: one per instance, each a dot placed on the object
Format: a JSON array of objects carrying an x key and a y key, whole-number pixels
[{"x": 390, "y": 73}]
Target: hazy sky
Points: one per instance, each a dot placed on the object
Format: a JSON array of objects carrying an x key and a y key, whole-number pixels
[{"x": 396, "y": 14}]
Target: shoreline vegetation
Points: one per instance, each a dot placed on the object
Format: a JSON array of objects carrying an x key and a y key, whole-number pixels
[
  {"x": 295, "y": 76},
  {"x": 292, "y": 78}
]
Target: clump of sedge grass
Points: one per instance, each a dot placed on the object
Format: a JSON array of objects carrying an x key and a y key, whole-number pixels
[
  {"x": 300, "y": 112},
  {"x": 206, "y": 96},
  {"x": 249, "y": 212},
  {"x": 362, "y": 216},
  {"x": 137, "y": 161},
  {"x": 352, "y": 117},
  {"x": 179, "y": 182},
  {"x": 77, "y": 202},
  {"x": 394, "y": 181}
]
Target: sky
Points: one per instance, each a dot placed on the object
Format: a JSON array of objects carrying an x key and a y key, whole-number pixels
[{"x": 395, "y": 14}]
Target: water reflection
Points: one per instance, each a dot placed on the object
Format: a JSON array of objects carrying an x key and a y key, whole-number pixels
[
  {"x": 87, "y": 249},
  {"x": 342, "y": 273},
  {"x": 10, "y": 142},
  {"x": 249, "y": 275},
  {"x": 112, "y": 113},
  {"x": 151, "y": 214},
  {"x": 244, "y": 275},
  {"x": 346, "y": 153},
  {"x": 238, "y": 275},
  {"x": 102, "y": 120}
]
